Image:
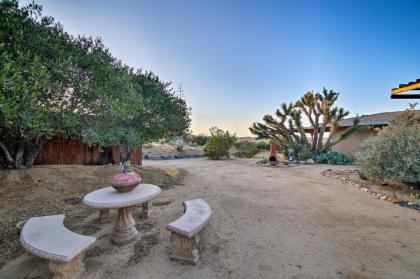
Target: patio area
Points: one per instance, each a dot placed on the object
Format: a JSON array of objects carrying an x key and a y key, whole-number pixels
[{"x": 267, "y": 223}]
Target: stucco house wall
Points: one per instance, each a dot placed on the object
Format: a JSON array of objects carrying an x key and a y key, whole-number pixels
[{"x": 352, "y": 144}]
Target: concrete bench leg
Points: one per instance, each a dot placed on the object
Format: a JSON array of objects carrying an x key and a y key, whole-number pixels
[
  {"x": 147, "y": 210},
  {"x": 184, "y": 249},
  {"x": 68, "y": 270},
  {"x": 104, "y": 216}
]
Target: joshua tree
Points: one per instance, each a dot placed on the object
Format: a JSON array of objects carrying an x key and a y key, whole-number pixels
[{"x": 287, "y": 129}]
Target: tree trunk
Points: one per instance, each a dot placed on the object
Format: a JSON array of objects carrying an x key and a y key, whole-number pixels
[
  {"x": 122, "y": 149},
  {"x": 128, "y": 156},
  {"x": 125, "y": 151},
  {"x": 19, "y": 156},
  {"x": 328, "y": 143},
  {"x": 321, "y": 135},
  {"x": 9, "y": 160},
  {"x": 33, "y": 153},
  {"x": 315, "y": 135}
]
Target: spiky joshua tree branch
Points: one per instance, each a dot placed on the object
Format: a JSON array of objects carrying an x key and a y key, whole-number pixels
[{"x": 287, "y": 130}]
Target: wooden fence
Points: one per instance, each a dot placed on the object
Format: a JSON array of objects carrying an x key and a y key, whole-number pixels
[{"x": 61, "y": 151}]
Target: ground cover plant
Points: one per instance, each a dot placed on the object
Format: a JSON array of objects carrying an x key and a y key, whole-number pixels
[
  {"x": 333, "y": 158},
  {"x": 394, "y": 154}
]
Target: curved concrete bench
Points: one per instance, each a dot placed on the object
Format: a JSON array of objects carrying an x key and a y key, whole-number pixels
[
  {"x": 184, "y": 231},
  {"x": 47, "y": 237}
]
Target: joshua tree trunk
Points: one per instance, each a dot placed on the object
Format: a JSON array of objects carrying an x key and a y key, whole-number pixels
[
  {"x": 316, "y": 133},
  {"x": 321, "y": 136}
]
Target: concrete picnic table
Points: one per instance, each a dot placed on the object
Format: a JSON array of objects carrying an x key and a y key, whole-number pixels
[{"x": 109, "y": 198}]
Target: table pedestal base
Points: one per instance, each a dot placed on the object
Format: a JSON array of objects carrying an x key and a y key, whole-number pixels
[
  {"x": 124, "y": 230},
  {"x": 147, "y": 210},
  {"x": 104, "y": 216}
]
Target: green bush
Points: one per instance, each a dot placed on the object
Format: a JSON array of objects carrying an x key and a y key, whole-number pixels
[
  {"x": 218, "y": 144},
  {"x": 394, "y": 154},
  {"x": 304, "y": 152},
  {"x": 246, "y": 149},
  {"x": 200, "y": 139},
  {"x": 263, "y": 145},
  {"x": 332, "y": 158}
]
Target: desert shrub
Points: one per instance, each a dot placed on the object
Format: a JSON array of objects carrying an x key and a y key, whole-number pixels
[
  {"x": 218, "y": 144},
  {"x": 394, "y": 154},
  {"x": 263, "y": 145},
  {"x": 304, "y": 152},
  {"x": 333, "y": 158},
  {"x": 246, "y": 149},
  {"x": 200, "y": 139}
]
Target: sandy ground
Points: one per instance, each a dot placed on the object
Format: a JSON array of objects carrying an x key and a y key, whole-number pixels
[
  {"x": 268, "y": 223},
  {"x": 157, "y": 149},
  {"x": 49, "y": 190}
]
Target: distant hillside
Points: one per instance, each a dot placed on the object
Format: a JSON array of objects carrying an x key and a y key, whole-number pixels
[{"x": 247, "y": 138}]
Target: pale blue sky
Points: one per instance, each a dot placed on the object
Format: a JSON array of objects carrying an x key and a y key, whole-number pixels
[{"x": 238, "y": 60}]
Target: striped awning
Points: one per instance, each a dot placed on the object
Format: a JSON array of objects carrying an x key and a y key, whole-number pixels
[{"x": 396, "y": 93}]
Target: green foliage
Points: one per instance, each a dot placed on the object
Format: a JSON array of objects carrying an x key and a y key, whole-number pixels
[
  {"x": 286, "y": 128},
  {"x": 219, "y": 143},
  {"x": 263, "y": 145},
  {"x": 394, "y": 154},
  {"x": 200, "y": 139},
  {"x": 304, "y": 152},
  {"x": 57, "y": 84},
  {"x": 246, "y": 149},
  {"x": 332, "y": 158},
  {"x": 263, "y": 161}
]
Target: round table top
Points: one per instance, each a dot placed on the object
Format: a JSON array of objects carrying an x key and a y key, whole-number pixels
[{"x": 110, "y": 198}]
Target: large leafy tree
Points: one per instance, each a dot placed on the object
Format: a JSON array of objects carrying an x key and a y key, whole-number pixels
[
  {"x": 153, "y": 112},
  {"x": 52, "y": 83},
  {"x": 33, "y": 80},
  {"x": 288, "y": 130}
]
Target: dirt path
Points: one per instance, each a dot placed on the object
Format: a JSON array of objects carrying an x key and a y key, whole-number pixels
[{"x": 280, "y": 223}]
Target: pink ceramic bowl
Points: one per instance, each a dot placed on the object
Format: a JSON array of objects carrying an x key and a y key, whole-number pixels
[{"x": 125, "y": 181}]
